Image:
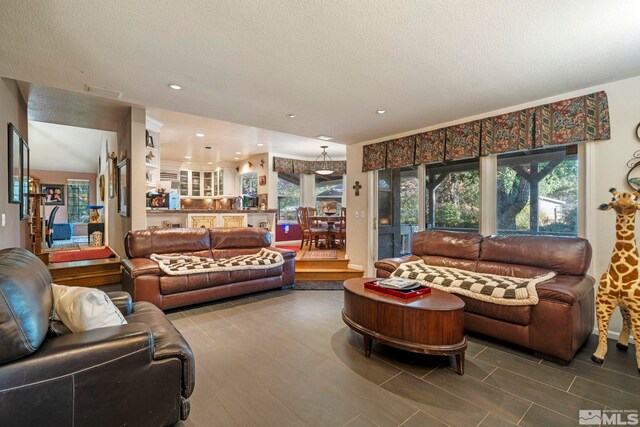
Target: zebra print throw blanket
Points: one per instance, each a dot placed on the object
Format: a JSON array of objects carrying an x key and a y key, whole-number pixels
[
  {"x": 178, "y": 265},
  {"x": 503, "y": 290}
]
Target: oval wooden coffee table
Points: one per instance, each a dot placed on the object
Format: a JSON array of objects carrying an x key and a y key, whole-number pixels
[{"x": 428, "y": 324}]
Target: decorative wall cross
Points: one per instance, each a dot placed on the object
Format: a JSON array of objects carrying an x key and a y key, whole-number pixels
[{"x": 357, "y": 187}]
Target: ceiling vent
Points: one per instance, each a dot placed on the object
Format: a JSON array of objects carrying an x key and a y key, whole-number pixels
[
  {"x": 105, "y": 93},
  {"x": 168, "y": 176}
]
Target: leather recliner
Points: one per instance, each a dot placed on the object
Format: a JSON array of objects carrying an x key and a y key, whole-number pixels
[{"x": 141, "y": 373}]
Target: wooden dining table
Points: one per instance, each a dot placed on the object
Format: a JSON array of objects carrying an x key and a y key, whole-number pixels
[{"x": 329, "y": 219}]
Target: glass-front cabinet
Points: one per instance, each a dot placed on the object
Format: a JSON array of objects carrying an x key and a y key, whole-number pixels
[
  {"x": 184, "y": 183},
  {"x": 205, "y": 183}
]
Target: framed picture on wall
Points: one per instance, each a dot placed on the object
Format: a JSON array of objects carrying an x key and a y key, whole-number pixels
[
  {"x": 24, "y": 180},
  {"x": 14, "y": 166},
  {"x": 262, "y": 180},
  {"x": 124, "y": 185},
  {"x": 54, "y": 194}
]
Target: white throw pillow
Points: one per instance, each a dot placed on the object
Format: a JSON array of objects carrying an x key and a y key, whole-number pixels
[{"x": 83, "y": 309}]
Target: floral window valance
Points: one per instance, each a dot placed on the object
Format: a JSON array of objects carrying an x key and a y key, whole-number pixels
[
  {"x": 281, "y": 164},
  {"x": 309, "y": 167},
  {"x": 374, "y": 156},
  {"x": 584, "y": 118},
  {"x": 401, "y": 152},
  {"x": 430, "y": 147}
]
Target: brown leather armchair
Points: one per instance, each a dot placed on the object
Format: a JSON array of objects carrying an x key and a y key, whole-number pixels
[{"x": 141, "y": 373}]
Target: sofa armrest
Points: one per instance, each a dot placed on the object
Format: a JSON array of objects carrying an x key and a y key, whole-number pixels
[
  {"x": 77, "y": 352},
  {"x": 139, "y": 266},
  {"x": 286, "y": 253},
  {"x": 122, "y": 300},
  {"x": 390, "y": 264},
  {"x": 565, "y": 289}
]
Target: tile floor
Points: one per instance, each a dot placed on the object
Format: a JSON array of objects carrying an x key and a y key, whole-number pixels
[{"x": 285, "y": 358}]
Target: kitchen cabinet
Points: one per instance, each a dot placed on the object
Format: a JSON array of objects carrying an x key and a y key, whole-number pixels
[{"x": 208, "y": 184}]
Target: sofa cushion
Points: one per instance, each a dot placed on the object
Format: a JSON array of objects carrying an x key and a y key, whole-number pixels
[
  {"x": 450, "y": 244},
  {"x": 442, "y": 261},
  {"x": 520, "y": 315},
  {"x": 62, "y": 231},
  {"x": 564, "y": 255},
  {"x": 234, "y": 238},
  {"x": 244, "y": 275},
  {"x": 143, "y": 243},
  {"x": 191, "y": 282},
  {"x": 512, "y": 270},
  {"x": 25, "y": 303}
]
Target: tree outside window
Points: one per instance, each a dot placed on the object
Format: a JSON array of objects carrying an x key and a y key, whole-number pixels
[
  {"x": 77, "y": 201},
  {"x": 537, "y": 192},
  {"x": 288, "y": 196},
  {"x": 328, "y": 192},
  {"x": 453, "y": 196}
]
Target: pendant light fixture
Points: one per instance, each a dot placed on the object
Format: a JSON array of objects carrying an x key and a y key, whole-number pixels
[{"x": 326, "y": 167}]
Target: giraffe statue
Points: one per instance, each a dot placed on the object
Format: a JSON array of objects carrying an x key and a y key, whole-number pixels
[{"x": 620, "y": 284}]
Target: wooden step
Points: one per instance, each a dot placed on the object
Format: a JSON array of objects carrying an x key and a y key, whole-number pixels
[
  {"x": 327, "y": 273},
  {"x": 322, "y": 263}
]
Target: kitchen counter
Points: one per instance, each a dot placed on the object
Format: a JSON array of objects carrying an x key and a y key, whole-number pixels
[
  {"x": 212, "y": 218},
  {"x": 206, "y": 211}
]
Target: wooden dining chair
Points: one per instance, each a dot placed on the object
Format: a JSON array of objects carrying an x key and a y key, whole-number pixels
[
  {"x": 309, "y": 234},
  {"x": 338, "y": 233}
]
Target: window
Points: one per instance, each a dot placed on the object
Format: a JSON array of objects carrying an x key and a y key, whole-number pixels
[
  {"x": 77, "y": 201},
  {"x": 453, "y": 196},
  {"x": 288, "y": 196},
  {"x": 328, "y": 193},
  {"x": 249, "y": 184},
  {"x": 537, "y": 192}
]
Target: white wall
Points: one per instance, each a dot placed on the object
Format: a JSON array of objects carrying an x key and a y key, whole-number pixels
[{"x": 606, "y": 167}]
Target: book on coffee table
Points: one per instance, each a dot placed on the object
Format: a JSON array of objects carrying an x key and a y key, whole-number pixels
[{"x": 398, "y": 283}]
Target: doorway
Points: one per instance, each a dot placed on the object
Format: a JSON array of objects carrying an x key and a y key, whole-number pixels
[{"x": 398, "y": 203}]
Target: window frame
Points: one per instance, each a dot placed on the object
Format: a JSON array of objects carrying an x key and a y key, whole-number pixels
[
  {"x": 280, "y": 197},
  {"x": 75, "y": 210}
]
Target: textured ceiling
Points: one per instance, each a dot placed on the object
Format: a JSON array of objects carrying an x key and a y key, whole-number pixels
[{"x": 332, "y": 63}]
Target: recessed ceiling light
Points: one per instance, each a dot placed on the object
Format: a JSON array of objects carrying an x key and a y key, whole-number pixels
[
  {"x": 291, "y": 116},
  {"x": 209, "y": 163},
  {"x": 324, "y": 137},
  {"x": 236, "y": 158},
  {"x": 381, "y": 111},
  {"x": 187, "y": 157},
  {"x": 259, "y": 145},
  {"x": 175, "y": 86},
  {"x": 207, "y": 147},
  {"x": 237, "y": 152},
  {"x": 199, "y": 135},
  {"x": 188, "y": 163}
]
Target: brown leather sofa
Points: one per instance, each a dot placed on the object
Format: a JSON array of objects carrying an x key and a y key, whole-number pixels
[
  {"x": 139, "y": 374},
  {"x": 558, "y": 325},
  {"x": 143, "y": 279}
]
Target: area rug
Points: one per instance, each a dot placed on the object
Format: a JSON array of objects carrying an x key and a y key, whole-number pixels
[
  {"x": 320, "y": 254},
  {"x": 66, "y": 246},
  {"x": 318, "y": 285}
]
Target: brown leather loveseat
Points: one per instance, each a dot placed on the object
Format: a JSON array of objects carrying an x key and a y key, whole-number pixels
[
  {"x": 144, "y": 280},
  {"x": 138, "y": 374},
  {"x": 558, "y": 325}
]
